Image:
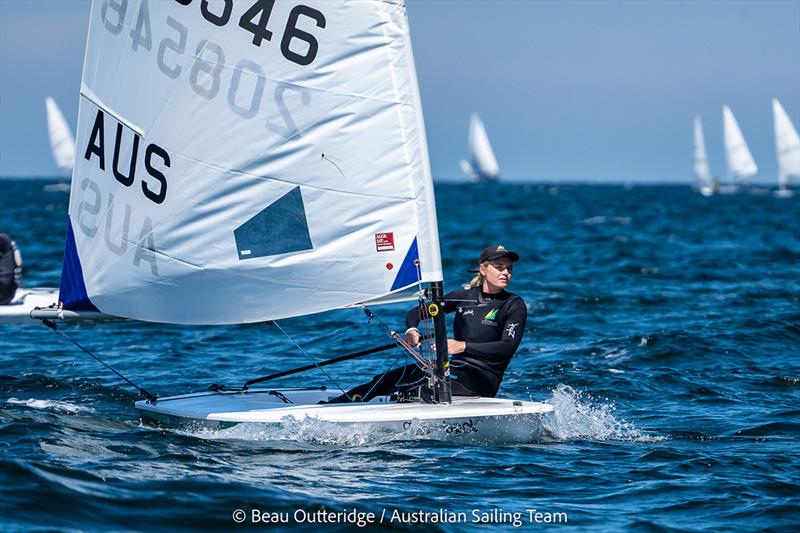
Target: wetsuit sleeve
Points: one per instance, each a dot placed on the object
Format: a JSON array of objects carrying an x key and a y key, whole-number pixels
[
  {"x": 451, "y": 300},
  {"x": 513, "y": 329}
]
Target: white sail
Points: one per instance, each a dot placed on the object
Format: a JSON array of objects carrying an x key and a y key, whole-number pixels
[
  {"x": 740, "y": 161},
  {"x": 61, "y": 140},
  {"x": 700, "y": 159},
  {"x": 248, "y": 161},
  {"x": 482, "y": 159},
  {"x": 787, "y": 144}
]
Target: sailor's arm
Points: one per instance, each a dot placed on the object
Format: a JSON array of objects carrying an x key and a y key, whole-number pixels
[{"x": 419, "y": 313}]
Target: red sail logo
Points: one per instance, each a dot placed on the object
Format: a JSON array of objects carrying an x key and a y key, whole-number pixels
[{"x": 384, "y": 242}]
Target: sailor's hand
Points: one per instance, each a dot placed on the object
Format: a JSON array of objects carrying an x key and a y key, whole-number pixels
[
  {"x": 412, "y": 337},
  {"x": 454, "y": 346}
]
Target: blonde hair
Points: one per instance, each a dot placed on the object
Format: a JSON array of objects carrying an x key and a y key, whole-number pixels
[{"x": 477, "y": 281}]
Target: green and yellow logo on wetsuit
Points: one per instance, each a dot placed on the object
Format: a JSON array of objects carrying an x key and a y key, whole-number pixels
[{"x": 489, "y": 319}]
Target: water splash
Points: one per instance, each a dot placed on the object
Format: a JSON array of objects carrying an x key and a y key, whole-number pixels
[
  {"x": 320, "y": 433},
  {"x": 578, "y": 416},
  {"x": 309, "y": 431}
]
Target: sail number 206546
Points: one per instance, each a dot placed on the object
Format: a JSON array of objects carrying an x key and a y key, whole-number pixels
[
  {"x": 262, "y": 10},
  {"x": 254, "y": 20},
  {"x": 210, "y": 68}
]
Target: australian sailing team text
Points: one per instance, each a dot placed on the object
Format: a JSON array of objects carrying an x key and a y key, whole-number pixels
[{"x": 396, "y": 516}]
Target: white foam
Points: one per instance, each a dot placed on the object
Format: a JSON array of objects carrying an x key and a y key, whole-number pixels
[
  {"x": 594, "y": 220},
  {"x": 309, "y": 431},
  {"x": 577, "y": 416},
  {"x": 315, "y": 432},
  {"x": 54, "y": 405},
  {"x": 601, "y": 219}
]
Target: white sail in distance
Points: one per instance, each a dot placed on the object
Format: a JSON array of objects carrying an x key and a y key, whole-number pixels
[
  {"x": 787, "y": 144},
  {"x": 275, "y": 166},
  {"x": 482, "y": 160},
  {"x": 740, "y": 161},
  {"x": 61, "y": 141},
  {"x": 700, "y": 159}
]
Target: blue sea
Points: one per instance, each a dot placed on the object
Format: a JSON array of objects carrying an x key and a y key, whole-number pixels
[{"x": 663, "y": 326}]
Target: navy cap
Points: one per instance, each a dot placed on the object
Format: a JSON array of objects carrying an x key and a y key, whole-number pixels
[{"x": 496, "y": 252}]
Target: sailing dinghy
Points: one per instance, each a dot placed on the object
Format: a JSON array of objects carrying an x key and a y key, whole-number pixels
[
  {"x": 276, "y": 166},
  {"x": 18, "y": 310},
  {"x": 740, "y": 161},
  {"x": 707, "y": 185},
  {"x": 482, "y": 165},
  {"x": 62, "y": 144},
  {"x": 787, "y": 147}
]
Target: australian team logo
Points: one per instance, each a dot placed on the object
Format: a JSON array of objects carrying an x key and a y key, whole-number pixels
[{"x": 490, "y": 318}]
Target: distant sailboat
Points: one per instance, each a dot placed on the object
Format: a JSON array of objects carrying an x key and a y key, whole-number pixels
[
  {"x": 787, "y": 147},
  {"x": 707, "y": 185},
  {"x": 62, "y": 144},
  {"x": 740, "y": 161},
  {"x": 482, "y": 165}
]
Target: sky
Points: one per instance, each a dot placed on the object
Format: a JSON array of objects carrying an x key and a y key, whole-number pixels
[{"x": 568, "y": 91}]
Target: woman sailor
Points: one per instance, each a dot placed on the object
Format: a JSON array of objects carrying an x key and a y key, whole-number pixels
[
  {"x": 487, "y": 330},
  {"x": 10, "y": 268}
]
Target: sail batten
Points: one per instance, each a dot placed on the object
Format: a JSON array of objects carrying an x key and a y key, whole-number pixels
[
  {"x": 250, "y": 182},
  {"x": 89, "y": 95}
]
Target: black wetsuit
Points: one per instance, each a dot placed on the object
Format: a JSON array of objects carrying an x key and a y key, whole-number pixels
[
  {"x": 492, "y": 325},
  {"x": 9, "y": 272}
]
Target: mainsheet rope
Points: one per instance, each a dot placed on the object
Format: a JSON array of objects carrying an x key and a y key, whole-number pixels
[
  {"x": 311, "y": 357},
  {"x": 152, "y": 398}
]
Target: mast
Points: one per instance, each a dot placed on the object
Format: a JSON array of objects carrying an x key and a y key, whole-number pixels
[{"x": 441, "y": 391}]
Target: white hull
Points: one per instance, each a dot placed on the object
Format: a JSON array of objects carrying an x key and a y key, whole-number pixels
[
  {"x": 477, "y": 420},
  {"x": 729, "y": 189},
  {"x": 783, "y": 193},
  {"x": 61, "y": 186},
  {"x": 18, "y": 311}
]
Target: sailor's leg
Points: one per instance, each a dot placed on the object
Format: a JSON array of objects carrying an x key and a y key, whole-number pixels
[{"x": 382, "y": 384}]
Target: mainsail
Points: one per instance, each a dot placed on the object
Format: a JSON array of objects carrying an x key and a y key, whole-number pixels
[
  {"x": 247, "y": 161},
  {"x": 740, "y": 161},
  {"x": 700, "y": 159},
  {"x": 61, "y": 140},
  {"x": 482, "y": 161},
  {"x": 787, "y": 145}
]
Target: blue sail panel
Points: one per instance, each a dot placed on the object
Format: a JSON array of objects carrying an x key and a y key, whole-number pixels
[
  {"x": 280, "y": 228},
  {"x": 73, "y": 295},
  {"x": 407, "y": 274}
]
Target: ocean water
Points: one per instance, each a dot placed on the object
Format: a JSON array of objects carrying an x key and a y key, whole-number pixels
[{"x": 664, "y": 327}]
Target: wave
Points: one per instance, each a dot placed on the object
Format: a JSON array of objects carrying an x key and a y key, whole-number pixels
[{"x": 51, "y": 405}]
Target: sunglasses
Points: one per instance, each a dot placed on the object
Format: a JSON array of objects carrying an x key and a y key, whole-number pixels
[{"x": 501, "y": 268}]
